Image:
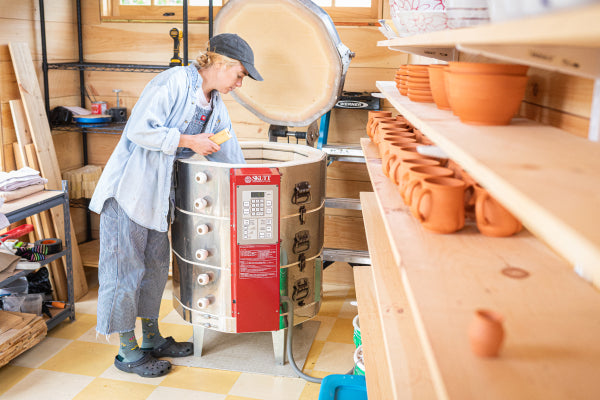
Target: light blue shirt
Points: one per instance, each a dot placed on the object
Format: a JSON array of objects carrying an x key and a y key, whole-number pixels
[{"x": 139, "y": 172}]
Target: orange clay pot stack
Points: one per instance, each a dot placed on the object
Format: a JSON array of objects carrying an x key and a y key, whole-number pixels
[
  {"x": 485, "y": 94},
  {"x": 401, "y": 79},
  {"x": 419, "y": 89},
  {"x": 437, "y": 81}
]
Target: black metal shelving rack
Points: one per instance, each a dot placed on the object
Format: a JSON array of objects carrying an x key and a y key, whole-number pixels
[{"x": 57, "y": 198}]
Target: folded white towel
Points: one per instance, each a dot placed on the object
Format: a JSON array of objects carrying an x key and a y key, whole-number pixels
[{"x": 20, "y": 178}]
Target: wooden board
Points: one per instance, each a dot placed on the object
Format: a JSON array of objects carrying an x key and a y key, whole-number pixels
[
  {"x": 546, "y": 177},
  {"x": 41, "y": 135},
  {"x": 447, "y": 277}
]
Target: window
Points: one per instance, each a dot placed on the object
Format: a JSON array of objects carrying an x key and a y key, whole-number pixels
[{"x": 172, "y": 10}]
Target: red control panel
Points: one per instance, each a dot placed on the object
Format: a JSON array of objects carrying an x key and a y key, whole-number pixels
[{"x": 255, "y": 248}]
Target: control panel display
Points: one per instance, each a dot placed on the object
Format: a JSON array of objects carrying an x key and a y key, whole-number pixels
[{"x": 257, "y": 214}]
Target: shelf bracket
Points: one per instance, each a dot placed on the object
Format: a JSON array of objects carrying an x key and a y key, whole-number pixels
[
  {"x": 439, "y": 53},
  {"x": 579, "y": 61}
]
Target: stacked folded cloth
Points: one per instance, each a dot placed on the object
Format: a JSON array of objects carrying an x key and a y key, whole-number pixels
[{"x": 20, "y": 183}]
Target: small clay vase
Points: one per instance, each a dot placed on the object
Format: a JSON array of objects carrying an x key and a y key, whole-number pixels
[
  {"x": 440, "y": 204},
  {"x": 413, "y": 180},
  {"x": 486, "y": 333},
  {"x": 492, "y": 218}
]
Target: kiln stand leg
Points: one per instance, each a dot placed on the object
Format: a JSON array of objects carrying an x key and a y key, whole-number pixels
[
  {"x": 198, "y": 340},
  {"x": 279, "y": 341}
]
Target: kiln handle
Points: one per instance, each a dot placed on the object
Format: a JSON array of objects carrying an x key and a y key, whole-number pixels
[{"x": 301, "y": 193}]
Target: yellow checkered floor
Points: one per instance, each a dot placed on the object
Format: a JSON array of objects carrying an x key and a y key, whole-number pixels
[{"x": 72, "y": 363}]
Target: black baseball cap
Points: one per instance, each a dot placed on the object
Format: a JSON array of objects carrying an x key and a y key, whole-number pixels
[{"x": 233, "y": 46}]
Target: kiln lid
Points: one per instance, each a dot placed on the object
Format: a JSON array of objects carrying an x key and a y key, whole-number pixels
[{"x": 297, "y": 51}]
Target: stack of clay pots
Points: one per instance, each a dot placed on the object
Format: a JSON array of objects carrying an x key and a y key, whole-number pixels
[
  {"x": 418, "y": 86},
  {"x": 401, "y": 79}
]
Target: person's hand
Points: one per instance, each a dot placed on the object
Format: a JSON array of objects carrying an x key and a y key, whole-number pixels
[{"x": 200, "y": 144}]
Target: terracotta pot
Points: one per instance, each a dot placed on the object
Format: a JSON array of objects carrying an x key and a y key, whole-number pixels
[
  {"x": 399, "y": 171},
  {"x": 419, "y": 92},
  {"x": 481, "y": 99},
  {"x": 440, "y": 204},
  {"x": 491, "y": 217},
  {"x": 372, "y": 114},
  {"x": 420, "y": 98},
  {"x": 418, "y": 80},
  {"x": 487, "y": 68},
  {"x": 438, "y": 86},
  {"x": 486, "y": 333},
  {"x": 413, "y": 180}
]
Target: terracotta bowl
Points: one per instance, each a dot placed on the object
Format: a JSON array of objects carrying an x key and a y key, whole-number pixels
[
  {"x": 438, "y": 86},
  {"x": 420, "y": 98},
  {"x": 486, "y": 68},
  {"x": 484, "y": 99}
]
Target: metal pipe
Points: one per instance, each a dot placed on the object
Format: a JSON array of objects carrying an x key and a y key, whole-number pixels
[
  {"x": 210, "y": 19},
  {"x": 185, "y": 32},
  {"x": 44, "y": 57}
]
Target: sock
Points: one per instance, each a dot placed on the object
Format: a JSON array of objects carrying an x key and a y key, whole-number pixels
[
  {"x": 152, "y": 337},
  {"x": 129, "y": 350}
]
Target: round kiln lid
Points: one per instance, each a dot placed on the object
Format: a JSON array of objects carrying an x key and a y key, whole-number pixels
[{"x": 297, "y": 51}]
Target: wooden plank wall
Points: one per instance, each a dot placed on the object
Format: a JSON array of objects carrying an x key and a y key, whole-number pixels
[{"x": 552, "y": 98}]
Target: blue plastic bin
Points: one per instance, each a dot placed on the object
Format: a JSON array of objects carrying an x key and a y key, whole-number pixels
[{"x": 343, "y": 387}]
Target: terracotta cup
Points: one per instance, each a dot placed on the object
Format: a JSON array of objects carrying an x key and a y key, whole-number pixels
[
  {"x": 372, "y": 114},
  {"x": 440, "y": 204},
  {"x": 414, "y": 180},
  {"x": 491, "y": 217},
  {"x": 404, "y": 152},
  {"x": 375, "y": 121},
  {"x": 486, "y": 333},
  {"x": 389, "y": 151},
  {"x": 389, "y": 125},
  {"x": 399, "y": 171}
]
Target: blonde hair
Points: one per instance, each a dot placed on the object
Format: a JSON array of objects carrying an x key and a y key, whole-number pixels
[{"x": 209, "y": 58}]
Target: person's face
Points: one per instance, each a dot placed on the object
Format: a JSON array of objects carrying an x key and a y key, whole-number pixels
[{"x": 230, "y": 78}]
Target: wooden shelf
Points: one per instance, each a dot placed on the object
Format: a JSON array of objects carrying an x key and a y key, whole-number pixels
[
  {"x": 568, "y": 40},
  {"x": 551, "y": 315},
  {"x": 546, "y": 177}
]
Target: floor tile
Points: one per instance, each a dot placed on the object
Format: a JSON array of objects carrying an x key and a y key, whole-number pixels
[
  {"x": 102, "y": 389},
  {"x": 41, "y": 352},
  {"x": 162, "y": 393},
  {"x": 83, "y": 358},
  {"x": 240, "y": 398},
  {"x": 324, "y": 327},
  {"x": 47, "y": 385},
  {"x": 310, "y": 392},
  {"x": 336, "y": 358},
  {"x": 73, "y": 329},
  {"x": 88, "y": 304},
  {"x": 342, "y": 331},
  {"x": 166, "y": 306},
  {"x": 313, "y": 354},
  {"x": 202, "y": 379},
  {"x": 348, "y": 310},
  {"x": 181, "y": 333},
  {"x": 268, "y": 387},
  {"x": 168, "y": 292},
  {"x": 11, "y": 374}
]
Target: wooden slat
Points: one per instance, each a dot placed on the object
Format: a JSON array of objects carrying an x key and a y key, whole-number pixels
[
  {"x": 344, "y": 233},
  {"x": 546, "y": 177},
  {"x": 90, "y": 253},
  {"x": 40, "y": 131},
  {"x": 447, "y": 277}
]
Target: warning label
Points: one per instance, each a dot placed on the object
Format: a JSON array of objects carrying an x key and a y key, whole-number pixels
[{"x": 258, "y": 261}]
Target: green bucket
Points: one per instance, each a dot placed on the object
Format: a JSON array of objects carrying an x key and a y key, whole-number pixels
[
  {"x": 356, "y": 338},
  {"x": 359, "y": 364}
]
